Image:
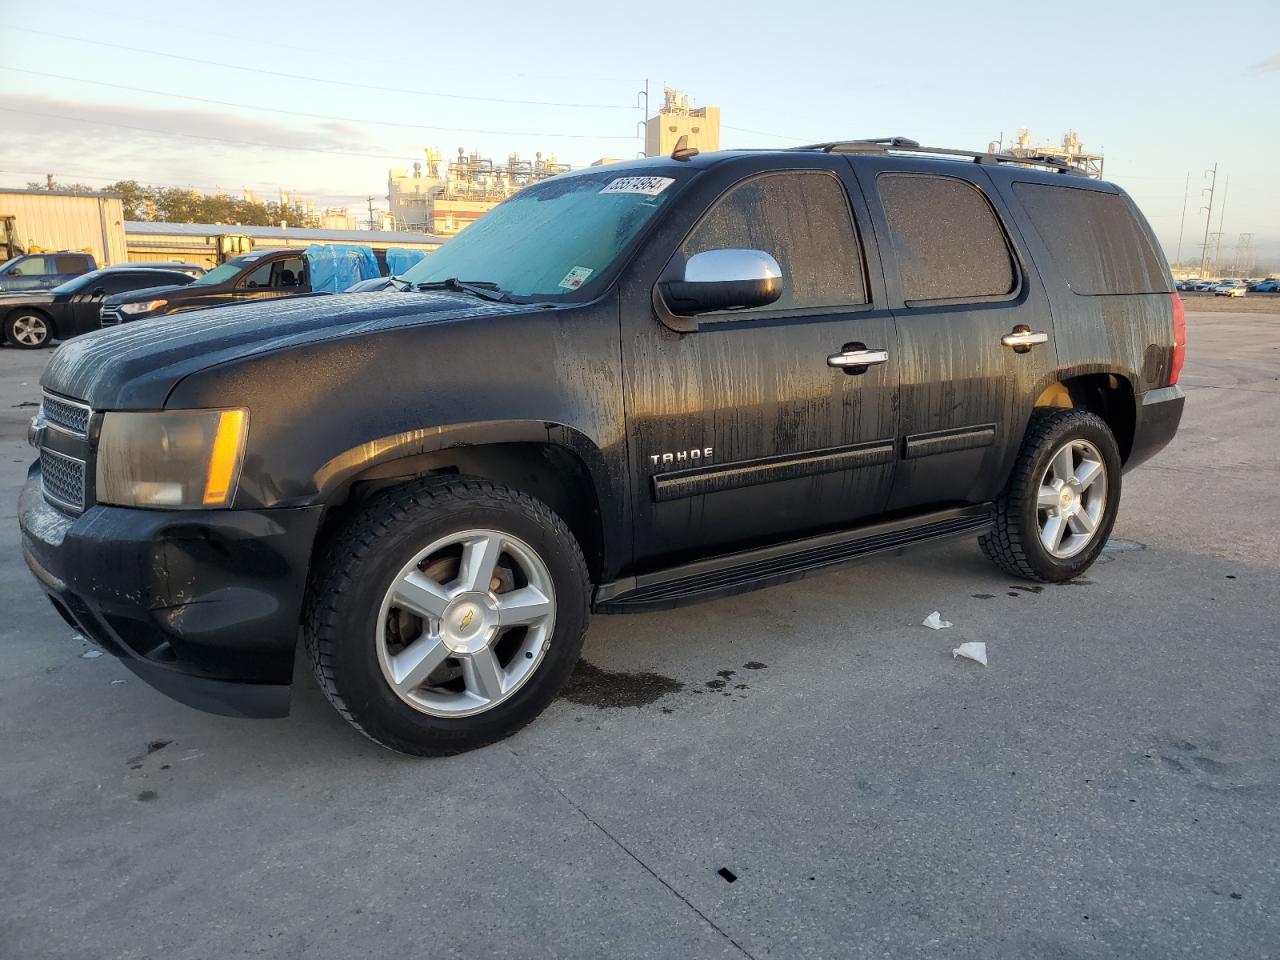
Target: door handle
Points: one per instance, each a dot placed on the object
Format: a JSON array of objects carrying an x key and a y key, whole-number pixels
[
  {"x": 1023, "y": 338},
  {"x": 857, "y": 358}
]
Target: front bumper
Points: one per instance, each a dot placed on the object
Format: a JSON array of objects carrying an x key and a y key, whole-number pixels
[
  {"x": 1155, "y": 422},
  {"x": 203, "y": 605}
]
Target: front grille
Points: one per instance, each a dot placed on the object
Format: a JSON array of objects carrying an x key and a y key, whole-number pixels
[
  {"x": 110, "y": 317},
  {"x": 67, "y": 415},
  {"x": 63, "y": 480}
]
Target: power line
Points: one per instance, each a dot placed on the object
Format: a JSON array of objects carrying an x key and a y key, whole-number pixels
[
  {"x": 328, "y": 80},
  {"x": 298, "y": 113},
  {"x": 245, "y": 38}
]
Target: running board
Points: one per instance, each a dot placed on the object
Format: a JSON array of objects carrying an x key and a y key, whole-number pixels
[{"x": 765, "y": 566}]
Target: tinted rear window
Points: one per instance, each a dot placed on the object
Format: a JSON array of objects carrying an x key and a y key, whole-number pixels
[
  {"x": 1095, "y": 239},
  {"x": 948, "y": 242}
]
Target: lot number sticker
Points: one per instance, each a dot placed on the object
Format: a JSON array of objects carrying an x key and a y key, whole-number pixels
[
  {"x": 650, "y": 186},
  {"x": 576, "y": 278}
]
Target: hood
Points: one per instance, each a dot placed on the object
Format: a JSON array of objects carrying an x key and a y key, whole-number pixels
[
  {"x": 15, "y": 298},
  {"x": 134, "y": 366},
  {"x": 149, "y": 293}
]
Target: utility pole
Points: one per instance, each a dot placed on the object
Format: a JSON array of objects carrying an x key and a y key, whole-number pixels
[
  {"x": 1204, "y": 247},
  {"x": 642, "y": 103},
  {"x": 1222, "y": 215},
  {"x": 371, "y": 213},
  {"x": 1183, "y": 226}
]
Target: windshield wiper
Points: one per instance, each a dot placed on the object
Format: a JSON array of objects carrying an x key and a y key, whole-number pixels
[{"x": 484, "y": 289}]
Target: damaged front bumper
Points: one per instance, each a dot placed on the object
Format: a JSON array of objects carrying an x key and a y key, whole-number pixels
[{"x": 202, "y": 605}]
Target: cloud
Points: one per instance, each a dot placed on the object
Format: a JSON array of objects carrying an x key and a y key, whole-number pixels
[
  {"x": 1269, "y": 65},
  {"x": 121, "y": 144},
  {"x": 124, "y": 123}
]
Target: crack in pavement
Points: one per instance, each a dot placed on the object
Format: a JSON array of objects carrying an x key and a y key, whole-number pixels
[{"x": 625, "y": 849}]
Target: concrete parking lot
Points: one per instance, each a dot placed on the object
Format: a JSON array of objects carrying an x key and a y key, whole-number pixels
[{"x": 799, "y": 772}]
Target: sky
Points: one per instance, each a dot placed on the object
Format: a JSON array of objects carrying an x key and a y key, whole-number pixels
[{"x": 315, "y": 98}]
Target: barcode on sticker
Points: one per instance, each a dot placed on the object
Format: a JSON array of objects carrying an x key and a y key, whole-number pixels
[{"x": 650, "y": 186}]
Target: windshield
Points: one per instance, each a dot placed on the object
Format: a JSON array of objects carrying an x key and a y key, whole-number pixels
[
  {"x": 553, "y": 238},
  {"x": 225, "y": 272}
]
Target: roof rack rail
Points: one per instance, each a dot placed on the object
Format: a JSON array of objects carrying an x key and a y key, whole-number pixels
[{"x": 907, "y": 145}]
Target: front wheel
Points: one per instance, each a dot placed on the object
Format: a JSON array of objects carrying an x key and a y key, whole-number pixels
[
  {"x": 1057, "y": 512},
  {"x": 28, "y": 331},
  {"x": 447, "y": 614}
]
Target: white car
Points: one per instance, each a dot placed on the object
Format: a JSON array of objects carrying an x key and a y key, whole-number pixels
[{"x": 1229, "y": 288}]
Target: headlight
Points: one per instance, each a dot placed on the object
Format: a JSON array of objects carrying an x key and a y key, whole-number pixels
[
  {"x": 176, "y": 459},
  {"x": 145, "y": 306}
]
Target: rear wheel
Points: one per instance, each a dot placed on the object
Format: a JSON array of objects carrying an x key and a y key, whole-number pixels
[
  {"x": 28, "y": 330},
  {"x": 1057, "y": 512},
  {"x": 447, "y": 614}
]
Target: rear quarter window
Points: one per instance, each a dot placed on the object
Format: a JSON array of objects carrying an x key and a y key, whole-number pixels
[
  {"x": 946, "y": 238},
  {"x": 1095, "y": 238},
  {"x": 73, "y": 264}
]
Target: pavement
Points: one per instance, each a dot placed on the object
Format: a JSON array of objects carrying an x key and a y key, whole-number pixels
[{"x": 800, "y": 772}]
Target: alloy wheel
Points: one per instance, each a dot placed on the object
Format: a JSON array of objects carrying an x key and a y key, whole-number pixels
[
  {"x": 30, "y": 330},
  {"x": 465, "y": 623},
  {"x": 1072, "y": 498}
]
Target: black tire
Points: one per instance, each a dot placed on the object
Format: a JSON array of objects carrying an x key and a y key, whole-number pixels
[
  {"x": 1014, "y": 545},
  {"x": 356, "y": 568},
  {"x": 18, "y": 316}
]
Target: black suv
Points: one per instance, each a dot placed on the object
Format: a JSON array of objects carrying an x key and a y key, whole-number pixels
[
  {"x": 33, "y": 319},
  {"x": 624, "y": 389}
]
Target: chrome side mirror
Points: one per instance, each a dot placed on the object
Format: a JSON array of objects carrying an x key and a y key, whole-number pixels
[{"x": 732, "y": 279}]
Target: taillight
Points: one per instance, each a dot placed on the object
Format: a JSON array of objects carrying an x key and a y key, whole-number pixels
[{"x": 1179, "y": 339}]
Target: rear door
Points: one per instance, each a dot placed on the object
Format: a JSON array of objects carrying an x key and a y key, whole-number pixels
[
  {"x": 959, "y": 284},
  {"x": 83, "y": 312},
  {"x": 740, "y": 432}
]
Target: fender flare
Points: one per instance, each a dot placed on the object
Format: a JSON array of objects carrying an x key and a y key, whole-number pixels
[{"x": 339, "y": 470}]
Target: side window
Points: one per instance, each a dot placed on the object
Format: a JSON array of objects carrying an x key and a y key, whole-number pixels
[
  {"x": 289, "y": 273},
  {"x": 946, "y": 238},
  {"x": 121, "y": 282},
  {"x": 1095, "y": 239},
  {"x": 803, "y": 220},
  {"x": 34, "y": 267},
  {"x": 259, "y": 278},
  {"x": 72, "y": 264}
]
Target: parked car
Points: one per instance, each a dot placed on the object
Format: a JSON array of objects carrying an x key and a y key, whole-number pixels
[
  {"x": 629, "y": 388},
  {"x": 1229, "y": 288},
  {"x": 253, "y": 276},
  {"x": 34, "y": 319},
  {"x": 44, "y": 271},
  {"x": 1205, "y": 286},
  {"x": 1270, "y": 285}
]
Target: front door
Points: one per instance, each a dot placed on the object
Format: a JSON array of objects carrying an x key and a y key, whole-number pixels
[
  {"x": 281, "y": 277},
  {"x": 959, "y": 284},
  {"x": 742, "y": 432}
]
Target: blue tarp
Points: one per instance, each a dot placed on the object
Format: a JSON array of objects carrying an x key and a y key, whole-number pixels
[
  {"x": 400, "y": 259},
  {"x": 336, "y": 266}
]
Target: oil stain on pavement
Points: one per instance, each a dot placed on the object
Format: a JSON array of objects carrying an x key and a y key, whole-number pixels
[{"x": 593, "y": 687}]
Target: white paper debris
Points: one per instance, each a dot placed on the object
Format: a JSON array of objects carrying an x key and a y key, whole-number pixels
[
  {"x": 972, "y": 651},
  {"x": 91, "y": 655},
  {"x": 114, "y": 682},
  {"x": 934, "y": 621}
]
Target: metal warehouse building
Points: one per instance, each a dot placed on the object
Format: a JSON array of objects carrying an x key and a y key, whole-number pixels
[{"x": 208, "y": 244}]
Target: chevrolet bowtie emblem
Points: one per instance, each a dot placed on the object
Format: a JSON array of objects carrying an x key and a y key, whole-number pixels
[{"x": 467, "y": 618}]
